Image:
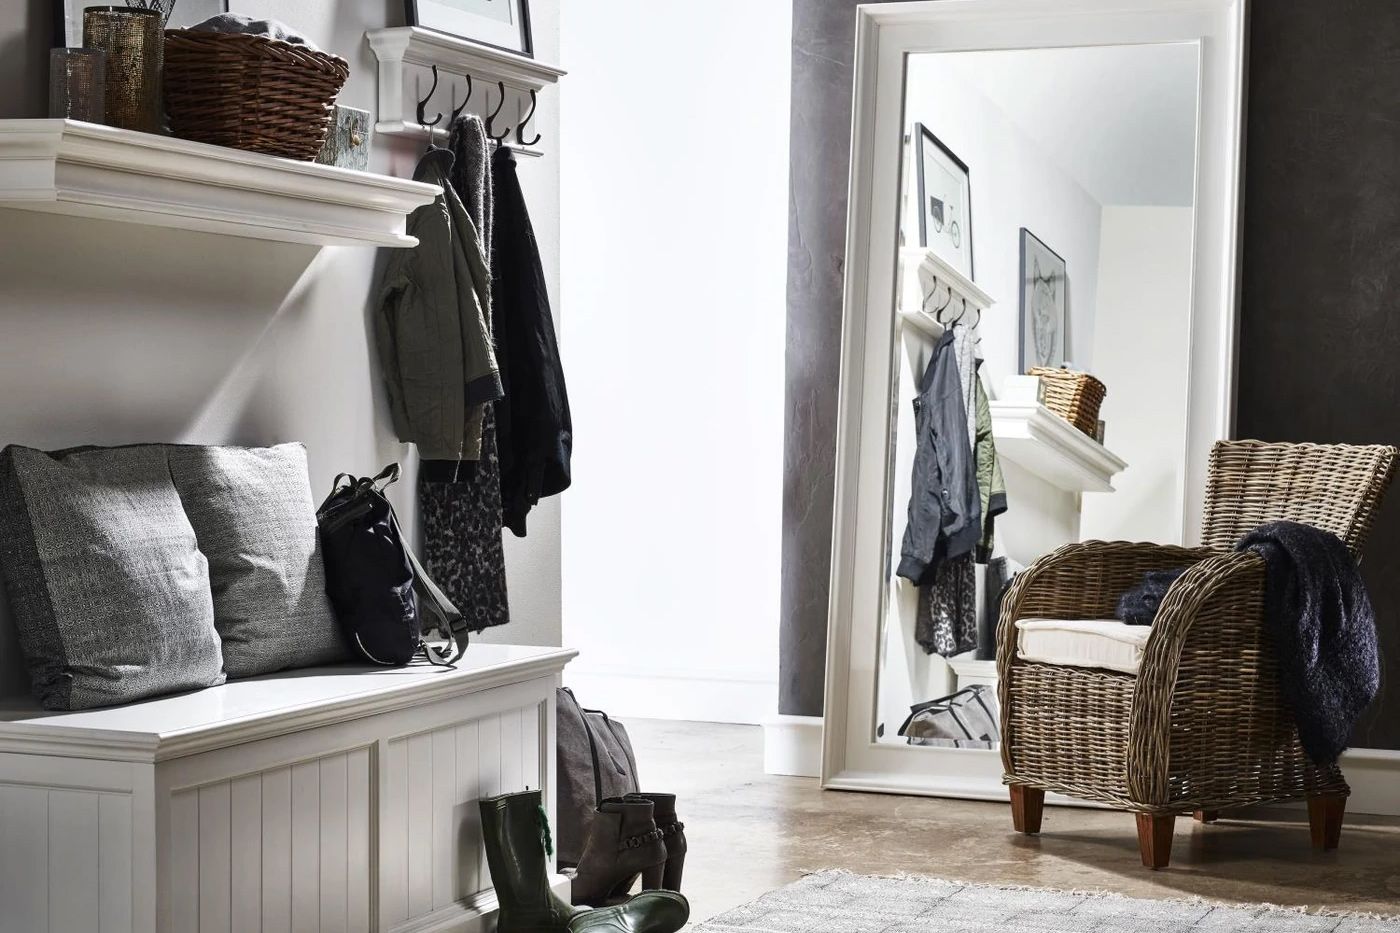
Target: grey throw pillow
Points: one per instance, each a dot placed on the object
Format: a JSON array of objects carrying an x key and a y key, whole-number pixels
[
  {"x": 252, "y": 512},
  {"x": 109, "y": 592}
]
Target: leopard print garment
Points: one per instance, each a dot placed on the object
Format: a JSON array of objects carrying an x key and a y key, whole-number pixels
[{"x": 459, "y": 508}]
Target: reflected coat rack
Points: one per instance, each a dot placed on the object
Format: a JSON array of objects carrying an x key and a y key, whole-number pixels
[
  {"x": 929, "y": 285},
  {"x": 470, "y": 77}
]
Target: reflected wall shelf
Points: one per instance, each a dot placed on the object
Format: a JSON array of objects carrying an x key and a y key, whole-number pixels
[
  {"x": 406, "y": 56},
  {"x": 69, "y": 167},
  {"x": 969, "y": 671},
  {"x": 1044, "y": 444}
]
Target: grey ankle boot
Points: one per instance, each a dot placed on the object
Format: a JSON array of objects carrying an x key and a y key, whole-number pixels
[
  {"x": 672, "y": 833},
  {"x": 623, "y": 842}
]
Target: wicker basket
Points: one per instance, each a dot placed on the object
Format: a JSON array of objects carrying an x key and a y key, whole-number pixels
[
  {"x": 250, "y": 92},
  {"x": 1073, "y": 396}
]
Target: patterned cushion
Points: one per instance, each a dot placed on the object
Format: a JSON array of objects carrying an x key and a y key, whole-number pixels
[
  {"x": 109, "y": 592},
  {"x": 252, "y": 511}
]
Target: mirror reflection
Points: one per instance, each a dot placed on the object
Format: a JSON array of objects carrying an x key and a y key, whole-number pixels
[{"x": 1043, "y": 309}]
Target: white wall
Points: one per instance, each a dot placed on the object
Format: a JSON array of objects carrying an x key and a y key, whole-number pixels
[
  {"x": 116, "y": 333},
  {"x": 1140, "y": 352},
  {"x": 674, "y": 196},
  {"x": 1015, "y": 184}
]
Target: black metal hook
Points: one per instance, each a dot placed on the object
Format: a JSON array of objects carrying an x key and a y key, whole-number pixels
[
  {"x": 932, "y": 293},
  {"x": 422, "y": 108},
  {"x": 495, "y": 113},
  {"x": 520, "y": 129},
  {"x": 938, "y": 315},
  {"x": 457, "y": 111}
]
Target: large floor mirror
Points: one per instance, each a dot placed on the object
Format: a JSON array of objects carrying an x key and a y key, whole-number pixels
[{"x": 1031, "y": 191}]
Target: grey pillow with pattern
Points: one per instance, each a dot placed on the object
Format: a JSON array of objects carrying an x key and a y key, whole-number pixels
[
  {"x": 252, "y": 511},
  {"x": 108, "y": 589}
]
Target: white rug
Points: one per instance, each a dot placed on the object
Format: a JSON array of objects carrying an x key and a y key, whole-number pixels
[{"x": 840, "y": 902}]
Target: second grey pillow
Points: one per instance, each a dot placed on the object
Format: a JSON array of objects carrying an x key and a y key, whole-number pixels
[{"x": 253, "y": 514}]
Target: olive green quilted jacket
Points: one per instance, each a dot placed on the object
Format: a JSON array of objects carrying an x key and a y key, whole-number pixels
[{"x": 433, "y": 326}]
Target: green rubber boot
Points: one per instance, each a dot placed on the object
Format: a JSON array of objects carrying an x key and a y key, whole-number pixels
[
  {"x": 648, "y": 912},
  {"x": 516, "y": 832},
  {"x": 518, "y": 846}
]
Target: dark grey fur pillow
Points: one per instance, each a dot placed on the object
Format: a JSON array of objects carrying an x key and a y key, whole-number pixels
[
  {"x": 109, "y": 592},
  {"x": 252, "y": 511}
]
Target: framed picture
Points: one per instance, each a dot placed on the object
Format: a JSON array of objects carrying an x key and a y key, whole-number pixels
[
  {"x": 68, "y": 25},
  {"x": 1044, "y": 284},
  {"x": 504, "y": 24},
  {"x": 945, "y": 201}
]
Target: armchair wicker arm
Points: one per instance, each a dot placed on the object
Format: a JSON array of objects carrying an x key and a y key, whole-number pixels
[{"x": 1207, "y": 711}]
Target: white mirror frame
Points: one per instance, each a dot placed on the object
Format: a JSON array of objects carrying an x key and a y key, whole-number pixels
[{"x": 885, "y": 35}]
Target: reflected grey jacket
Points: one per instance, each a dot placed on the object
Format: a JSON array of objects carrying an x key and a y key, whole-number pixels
[
  {"x": 945, "y": 509},
  {"x": 433, "y": 327}
]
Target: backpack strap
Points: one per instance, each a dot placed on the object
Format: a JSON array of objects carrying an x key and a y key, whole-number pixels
[{"x": 447, "y": 618}]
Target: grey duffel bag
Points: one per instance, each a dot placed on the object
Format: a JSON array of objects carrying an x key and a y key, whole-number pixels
[
  {"x": 966, "y": 719},
  {"x": 595, "y": 760}
]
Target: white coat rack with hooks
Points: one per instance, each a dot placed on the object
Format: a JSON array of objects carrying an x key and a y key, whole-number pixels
[{"x": 448, "y": 75}]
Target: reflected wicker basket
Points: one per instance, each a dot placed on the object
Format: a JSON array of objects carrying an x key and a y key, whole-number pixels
[
  {"x": 250, "y": 92},
  {"x": 1074, "y": 396}
]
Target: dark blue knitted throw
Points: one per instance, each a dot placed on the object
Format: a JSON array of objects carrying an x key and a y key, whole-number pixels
[
  {"x": 1139, "y": 605},
  {"x": 1317, "y": 606}
]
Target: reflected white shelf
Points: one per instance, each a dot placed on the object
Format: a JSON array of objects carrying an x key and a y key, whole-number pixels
[
  {"x": 1043, "y": 443},
  {"x": 922, "y": 321},
  {"x": 69, "y": 167},
  {"x": 969, "y": 671}
]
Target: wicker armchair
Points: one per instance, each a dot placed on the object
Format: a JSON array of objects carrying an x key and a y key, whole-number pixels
[{"x": 1201, "y": 726}]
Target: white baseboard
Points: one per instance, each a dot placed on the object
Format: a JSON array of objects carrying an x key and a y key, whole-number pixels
[
  {"x": 1374, "y": 776},
  {"x": 695, "y": 696},
  {"x": 792, "y": 745}
]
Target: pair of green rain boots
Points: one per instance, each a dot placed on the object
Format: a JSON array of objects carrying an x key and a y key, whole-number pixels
[{"x": 518, "y": 846}]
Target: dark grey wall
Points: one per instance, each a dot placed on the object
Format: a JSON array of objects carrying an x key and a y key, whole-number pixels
[
  {"x": 823, "y": 46},
  {"x": 1320, "y": 329},
  {"x": 1320, "y": 318},
  {"x": 24, "y": 57}
]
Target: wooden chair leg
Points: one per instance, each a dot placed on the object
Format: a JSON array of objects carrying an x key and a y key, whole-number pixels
[
  {"x": 1027, "y": 805},
  {"x": 1325, "y": 819},
  {"x": 1206, "y": 816},
  {"x": 1155, "y": 838}
]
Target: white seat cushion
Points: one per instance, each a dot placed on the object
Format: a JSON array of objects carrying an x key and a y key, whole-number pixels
[{"x": 1106, "y": 643}]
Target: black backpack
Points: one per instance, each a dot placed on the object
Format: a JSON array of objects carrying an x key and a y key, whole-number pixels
[{"x": 382, "y": 597}]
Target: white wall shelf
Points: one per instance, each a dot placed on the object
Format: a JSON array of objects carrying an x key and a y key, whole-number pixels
[
  {"x": 406, "y": 57},
  {"x": 68, "y": 167},
  {"x": 1044, "y": 444}
]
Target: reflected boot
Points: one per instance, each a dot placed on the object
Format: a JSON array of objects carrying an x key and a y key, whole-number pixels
[
  {"x": 516, "y": 832},
  {"x": 623, "y": 842},
  {"x": 648, "y": 912},
  {"x": 672, "y": 833}
]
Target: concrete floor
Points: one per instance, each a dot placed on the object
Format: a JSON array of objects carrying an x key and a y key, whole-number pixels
[{"x": 750, "y": 833}]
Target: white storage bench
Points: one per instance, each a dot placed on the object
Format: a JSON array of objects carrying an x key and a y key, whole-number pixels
[{"x": 331, "y": 799}]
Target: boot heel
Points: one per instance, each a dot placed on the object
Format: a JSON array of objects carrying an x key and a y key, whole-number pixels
[
  {"x": 652, "y": 877},
  {"x": 675, "y": 866}
]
